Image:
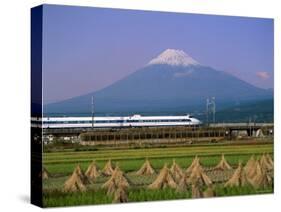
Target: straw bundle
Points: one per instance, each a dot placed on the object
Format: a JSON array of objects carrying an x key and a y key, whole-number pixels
[
  {"x": 223, "y": 164},
  {"x": 195, "y": 162},
  {"x": 75, "y": 182},
  {"x": 120, "y": 196},
  {"x": 195, "y": 191},
  {"x": 269, "y": 159},
  {"x": 265, "y": 163},
  {"x": 108, "y": 169},
  {"x": 176, "y": 171},
  {"x": 163, "y": 180},
  {"x": 238, "y": 178},
  {"x": 261, "y": 178},
  {"x": 182, "y": 184},
  {"x": 209, "y": 192},
  {"x": 250, "y": 167},
  {"x": 146, "y": 169},
  {"x": 45, "y": 174},
  {"x": 81, "y": 174},
  {"x": 92, "y": 172},
  {"x": 116, "y": 181},
  {"x": 199, "y": 177}
]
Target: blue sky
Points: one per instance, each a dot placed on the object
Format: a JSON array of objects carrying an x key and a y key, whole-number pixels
[{"x": 86, "y": 49}]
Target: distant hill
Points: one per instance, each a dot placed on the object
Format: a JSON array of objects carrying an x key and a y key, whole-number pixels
[
  {"x": 256, "y": 111},
  {"x": 170, "y": 82}
]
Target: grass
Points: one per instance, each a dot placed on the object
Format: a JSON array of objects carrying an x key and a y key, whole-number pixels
[
  {"x": 57, "y": 198},
  {"x": 61, "y": 164}
]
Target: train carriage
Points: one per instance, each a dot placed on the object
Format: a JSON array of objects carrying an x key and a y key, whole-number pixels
[{"x": 113, "y": 122}]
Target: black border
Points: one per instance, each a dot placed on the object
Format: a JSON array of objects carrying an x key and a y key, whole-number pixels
[{"x": 36, "y": 104}]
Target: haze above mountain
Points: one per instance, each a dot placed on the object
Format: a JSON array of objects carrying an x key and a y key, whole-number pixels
[{"x": 173, "y": 81}]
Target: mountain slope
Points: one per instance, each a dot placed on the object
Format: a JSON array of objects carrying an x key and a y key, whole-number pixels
[
  {"x": 171, "y": 80},
  {"x": 257, "y": 111}
]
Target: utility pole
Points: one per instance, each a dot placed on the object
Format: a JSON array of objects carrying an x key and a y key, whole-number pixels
[
  {"x": 211, "y": 107},
  {"x": 207, "y": 111},
  {"x": 214, "y": 109},
  {"x": 250, "y": 134},
  {"x": 92, "y": 113}
]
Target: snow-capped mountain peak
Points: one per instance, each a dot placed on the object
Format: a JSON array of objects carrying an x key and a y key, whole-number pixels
[{"x": 174, "y": 57}]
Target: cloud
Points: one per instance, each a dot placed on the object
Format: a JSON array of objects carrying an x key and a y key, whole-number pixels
[{"x": 263, "y": 75}]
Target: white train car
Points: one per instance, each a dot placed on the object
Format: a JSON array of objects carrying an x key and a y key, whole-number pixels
[{"x": 119, "y": 122}]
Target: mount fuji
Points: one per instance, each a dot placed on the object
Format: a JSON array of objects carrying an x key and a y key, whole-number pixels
[{"x": 172, "y": 81}]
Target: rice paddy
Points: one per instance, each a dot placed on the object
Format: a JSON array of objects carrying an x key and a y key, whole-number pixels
[{"x": 154, "y": 174}]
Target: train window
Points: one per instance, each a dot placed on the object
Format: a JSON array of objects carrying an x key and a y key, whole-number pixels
[{"x": 100, "y": 122}]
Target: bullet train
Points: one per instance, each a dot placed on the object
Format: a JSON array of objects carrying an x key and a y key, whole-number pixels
[{"x": 115, "y": 122}]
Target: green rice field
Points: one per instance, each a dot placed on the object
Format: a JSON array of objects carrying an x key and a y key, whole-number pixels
[{"x": 60, "y": 165}]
